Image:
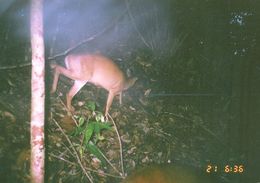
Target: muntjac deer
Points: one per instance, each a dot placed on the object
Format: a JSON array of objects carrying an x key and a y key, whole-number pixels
[{"x": 96, "y": 69}]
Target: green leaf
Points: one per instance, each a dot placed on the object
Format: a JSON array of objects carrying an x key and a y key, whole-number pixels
[
  {"x": 97, "y": 127},
  {"x": 93, "y": 149},
  {"x": 77, "y": 131},
  {"x": 103, "y": 126},
  {"x": 81, "y": 121},
  {"x": 89, "y": 130},
  {"x": 90, "y": 105}
]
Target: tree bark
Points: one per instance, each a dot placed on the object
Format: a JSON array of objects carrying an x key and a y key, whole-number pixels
[{"x": 37, "y": 93}]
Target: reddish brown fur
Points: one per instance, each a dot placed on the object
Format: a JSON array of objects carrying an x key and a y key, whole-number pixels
[{"x": 96, "y": 69}]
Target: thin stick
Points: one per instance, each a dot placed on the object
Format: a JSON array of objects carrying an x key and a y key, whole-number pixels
[
  {"x": 16, "y": 66},
  {"x": 134, "y": 24},
  {"x": 109, "y": 162},
  {"x": 120, "y": 145},
  {"x": 62, "y": 159}
]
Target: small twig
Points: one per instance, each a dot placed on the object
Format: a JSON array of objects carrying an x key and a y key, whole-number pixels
[
  {"x": 15, "y": 66},
  {"x": 66, "y": 52},
  {"x": 109, "y": 162},
  {"x": 63, "y": 159},
  {"x": 120, "y": 145},
  {"x": 134, "y": 24},
  {"x": 68, "y": 149}
]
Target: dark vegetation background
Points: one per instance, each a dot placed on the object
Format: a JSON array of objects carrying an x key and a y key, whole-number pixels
[{"x": 198, "y": 59}]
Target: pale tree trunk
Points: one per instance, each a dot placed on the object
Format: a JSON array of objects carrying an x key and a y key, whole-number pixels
[{"x": 38, "y": 93}]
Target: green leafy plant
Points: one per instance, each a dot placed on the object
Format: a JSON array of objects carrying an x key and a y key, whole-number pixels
[{"x": 90, "y": 132}]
